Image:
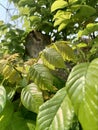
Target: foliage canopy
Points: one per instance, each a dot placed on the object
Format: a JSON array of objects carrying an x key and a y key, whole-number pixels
[{"x": 58, "y": 90}]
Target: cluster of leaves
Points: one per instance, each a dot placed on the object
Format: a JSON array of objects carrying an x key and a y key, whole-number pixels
[
  {"x": 30, "y": 83},
  {"x": 72, "y": 12},
  {"x": 12, "y": 39},
  {"x": 35, "y": 14},
  {"x": 79, "y": 18},
  {"x": 26, "y": 86}
]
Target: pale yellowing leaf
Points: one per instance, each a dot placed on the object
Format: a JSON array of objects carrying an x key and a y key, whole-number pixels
[{"x": 58, "y": 4}]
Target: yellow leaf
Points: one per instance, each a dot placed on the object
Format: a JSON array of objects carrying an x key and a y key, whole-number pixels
[{"x": 59, "y": 4}]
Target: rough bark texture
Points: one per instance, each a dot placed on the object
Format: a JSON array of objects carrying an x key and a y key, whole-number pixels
[{"x": 36, "y": 42}]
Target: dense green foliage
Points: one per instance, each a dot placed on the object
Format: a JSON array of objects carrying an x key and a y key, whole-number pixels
[{"x": 59, "y": 89}]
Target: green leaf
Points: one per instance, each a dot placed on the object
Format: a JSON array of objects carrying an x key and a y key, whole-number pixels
[
  {"x": 14, "y": 76},
  {"x": 26, "y": 24},
  {"x": 2, "y": 98},
  {"x": 31, "y": 124},
  {"x": 72, "y": 1},
  {"x": 14, "y": 17},
  {"x": 62, "y": 17},
  {"x": 65, "y": 50},
  {"x": 62, "y": 26},
  {"x": 6, "y": 71},
  {"x": 31, "y": 97},
  {"x": 91, "y": 27},
  {"x": 2, "y": 64},
  {"x": 19, "y": 123},
  {"x": 6, "y": 116},
  {"x": 56, "y": 114},
  {"x": 57, "y": 22},
  {"x": 82, "y": 87},
  {"x": 24, "y": 2},
  {"x": 41, "y": 76},
  {"x": 80, "y": 45},
  {"x": 58, "y": 4},
  {"x": 24, "y": 11},
  {"x": 83, "y": 10},
  {"x": 52, "y": 58},
  {"x": 10, "y": 92},
  {"x": 35, "y": 19},
  {"x": 94, "y": 48},
  {"x": 1, "y": 23}
]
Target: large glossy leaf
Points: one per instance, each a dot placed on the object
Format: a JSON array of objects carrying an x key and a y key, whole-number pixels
[
  {"x": 2, "y": 98},
  {"x": 19, "y": 123},
  {"x": 42, "y": 76},
  {"x": 58, "y": 4},
  {"x": 56, "y": 114},
  {"x": 31, "y": 97},
  {"x": 82, "y": 87},
  {"x": 52, "y": 58},
  {"x": 6, "y": 116}
]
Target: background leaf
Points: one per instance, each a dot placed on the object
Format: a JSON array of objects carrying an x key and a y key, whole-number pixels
[
  {"x": 3, "y": 63},
  {"x": 35, "y": 19},
  {"x": 83, "y": 8},
  {"x": 90, "y": 28},
  {"x": 19, "y": 123},
  {"x": 31, "y": 97},
  {"x": 52, "y": 58},
  {"x": 6, "y": 116},
  {"x": 65, "y": 50},
  {"x": 41, "y": 76}
]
